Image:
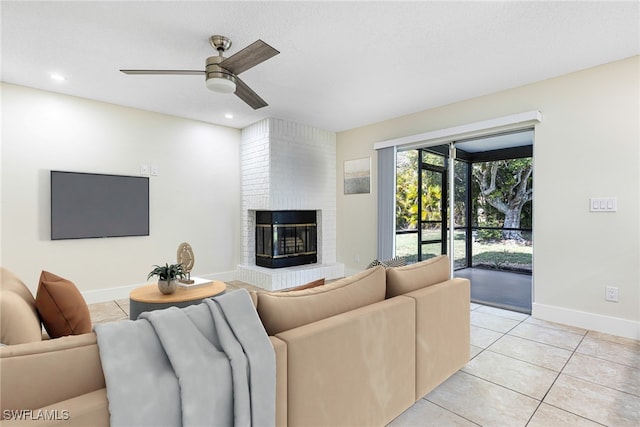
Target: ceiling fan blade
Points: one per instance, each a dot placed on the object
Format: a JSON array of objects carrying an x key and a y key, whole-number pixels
[
  {"x": 248, "y": 57},
  {"x": 245, "y": 93},
  {"x": 166, "y": 72}
]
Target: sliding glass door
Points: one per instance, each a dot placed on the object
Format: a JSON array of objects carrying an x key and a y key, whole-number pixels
[
  {"x": 421, "y": 205},
  {"x": 432, "y": 206}
]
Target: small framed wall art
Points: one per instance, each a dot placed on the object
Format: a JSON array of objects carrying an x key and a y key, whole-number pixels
[{"x": 357, "y": 176}]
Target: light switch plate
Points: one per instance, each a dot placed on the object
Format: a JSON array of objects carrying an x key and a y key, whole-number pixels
[
  {"x": 144, "y": 169},
  {"x": 603, "y": 204}
]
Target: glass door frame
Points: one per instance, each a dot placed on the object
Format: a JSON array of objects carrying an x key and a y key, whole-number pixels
[{"x": 423, "y": 165}]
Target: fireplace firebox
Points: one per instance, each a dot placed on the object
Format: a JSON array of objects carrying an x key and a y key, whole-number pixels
[{"x": 286, "y": 238}]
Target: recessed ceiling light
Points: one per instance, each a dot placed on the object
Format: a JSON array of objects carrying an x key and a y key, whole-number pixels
[
  {"x": 228, "y": 116},
  {"x": 58, "y": 77}
]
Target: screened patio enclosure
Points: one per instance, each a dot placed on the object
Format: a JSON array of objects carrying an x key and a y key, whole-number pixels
[{"x": 491, "y": 215}]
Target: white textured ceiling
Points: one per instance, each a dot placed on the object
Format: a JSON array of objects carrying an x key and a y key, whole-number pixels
[{"x": 342, "y": 64}]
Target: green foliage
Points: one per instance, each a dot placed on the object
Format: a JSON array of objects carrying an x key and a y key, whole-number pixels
[
  {"x": 502, "y": 194},
  {"x": 167, "y": 272},
  {"x": 460, "y": 192},
  {"x": 502, "y": 186},
  {"x": 407, "y": 190},
  {"x": 431, "y": 202},
  {"x": 509, "y": 181},
  {"x": 489, "y": 235},
  {"x": 501, "y": 260}
]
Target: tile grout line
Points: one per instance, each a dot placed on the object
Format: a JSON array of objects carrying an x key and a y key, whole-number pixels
[
  {"x": 502, "y": 386},
  {"x": 450, "y": 411},
  {"x": 516, "y": 391},
  {"x": 553, "y": 329},
  {"x": 521, "y": 360},
  {"x": 120, "y": 307},
  {"x": 559, "y": 329},
  {"x": 572, "y": 413},
  {"x": 554, "y": 382},
  {"x": 488, "y": 349},
  {"x": 595, "y": 356},
  {"x": 602, "y": 385}
]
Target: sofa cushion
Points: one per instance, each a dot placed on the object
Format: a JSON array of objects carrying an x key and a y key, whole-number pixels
[
  {"x": 281, "y": 311},
  {"x": 354, "y": 369},
  {"x": 10, "y": 282},
  {"x": 89, "y": 409},
  {"x": 401, "y": 280},
  {"x": 61, "y": 306},
  {"x": 39, "y": 374},
  {"x": 19, "y": 321},
  {"x": 312, "y": 284}
]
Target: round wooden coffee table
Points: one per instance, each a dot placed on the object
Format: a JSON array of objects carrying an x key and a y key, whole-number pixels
[{"x": 149, "y": 297}]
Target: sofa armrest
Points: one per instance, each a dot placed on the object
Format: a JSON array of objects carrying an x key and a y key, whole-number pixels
[
  {"x": 90, "y": 409},
  {"x": 442, "y": 332},
  {"x": 280, "y": 348},
  {"x": 354, "y": 368},
  {"x": 39, "y": 374}
]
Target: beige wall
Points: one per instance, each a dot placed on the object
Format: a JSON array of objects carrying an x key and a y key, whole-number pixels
[
  {"x": 195, "y": 197},
  {"x": 586, "y": 146}
]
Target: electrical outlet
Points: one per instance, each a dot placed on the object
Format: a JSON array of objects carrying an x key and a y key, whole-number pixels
[
  {"x": 612, "y": 294},
  {"x": 154, "y": 170}
]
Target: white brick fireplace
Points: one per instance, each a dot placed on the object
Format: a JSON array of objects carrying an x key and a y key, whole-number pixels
[{"x": 288, "y": 166}]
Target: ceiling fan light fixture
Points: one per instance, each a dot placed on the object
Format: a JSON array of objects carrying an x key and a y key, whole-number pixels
[
  {"x": 220, "y": 73},
  {"x": 221, "y": 85}
]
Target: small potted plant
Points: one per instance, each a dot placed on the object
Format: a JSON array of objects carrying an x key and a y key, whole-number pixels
[{"x": 167, "y": 276}]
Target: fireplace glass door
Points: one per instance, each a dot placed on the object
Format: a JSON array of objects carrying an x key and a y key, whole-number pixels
[{"x": 285, "y": 238}]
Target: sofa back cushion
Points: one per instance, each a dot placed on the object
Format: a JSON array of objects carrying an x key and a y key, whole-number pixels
[
  {"x": 401, "y": 280},
  {"x": 19, "y": 321},
  {"x": 281, "y": 311},
  {"x": 312, "y": 284}
]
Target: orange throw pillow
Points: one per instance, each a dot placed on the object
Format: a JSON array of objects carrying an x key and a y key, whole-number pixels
[{"x": 62, "y": 308}]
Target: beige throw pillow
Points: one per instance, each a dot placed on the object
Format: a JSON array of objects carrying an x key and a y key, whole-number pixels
[
  {"x": 19, "y": 321},
  {"x": 281, "y": 311},
  {"x": 401, "y": 280}
]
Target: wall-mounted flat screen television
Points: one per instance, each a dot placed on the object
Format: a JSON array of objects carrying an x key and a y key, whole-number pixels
[{"x": 89, "y": 205}]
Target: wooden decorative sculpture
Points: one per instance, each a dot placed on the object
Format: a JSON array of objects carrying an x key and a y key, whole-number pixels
[{"x": 186, "y": 258}]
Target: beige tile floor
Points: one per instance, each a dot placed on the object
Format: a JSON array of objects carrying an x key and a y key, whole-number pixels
[{"x": 523, "y": 372}]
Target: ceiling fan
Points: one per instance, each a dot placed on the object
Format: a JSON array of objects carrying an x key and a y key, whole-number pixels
[{"x": 222, "y": 73}]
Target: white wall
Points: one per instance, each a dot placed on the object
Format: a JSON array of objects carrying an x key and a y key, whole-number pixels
[
  {"x": 588, "y": 145},
  {"x": 195, "y": 198}
]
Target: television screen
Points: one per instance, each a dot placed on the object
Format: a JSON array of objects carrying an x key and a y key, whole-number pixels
[{"x": 88, "y": 205}]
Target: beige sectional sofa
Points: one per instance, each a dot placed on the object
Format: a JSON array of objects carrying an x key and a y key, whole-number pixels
[{"x": 358, "y": 351}]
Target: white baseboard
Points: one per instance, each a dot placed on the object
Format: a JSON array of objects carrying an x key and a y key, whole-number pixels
[
  {"x": 223, "y": 276},
  {"x": 581, "y": 319},
  {"x": 122, "y": 292},
  {"x": 108, "y": 294}
]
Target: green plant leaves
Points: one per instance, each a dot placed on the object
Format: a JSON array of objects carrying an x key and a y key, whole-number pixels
[{"x": 167, "y": 272}]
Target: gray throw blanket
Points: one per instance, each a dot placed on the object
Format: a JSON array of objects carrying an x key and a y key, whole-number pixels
[{"x": 210, "y": 364}]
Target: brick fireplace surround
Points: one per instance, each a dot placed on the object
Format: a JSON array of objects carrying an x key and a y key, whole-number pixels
[{"x": 288, "y": 166}]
